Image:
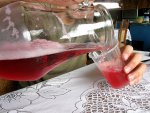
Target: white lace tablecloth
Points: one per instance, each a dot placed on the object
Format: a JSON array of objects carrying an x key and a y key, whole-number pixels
[
  {"x": 128, "y": 36},
  {"x": 81, "y": 91}
]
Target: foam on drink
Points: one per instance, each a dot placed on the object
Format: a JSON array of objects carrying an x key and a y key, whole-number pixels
[{"x": 19, "y": 50}]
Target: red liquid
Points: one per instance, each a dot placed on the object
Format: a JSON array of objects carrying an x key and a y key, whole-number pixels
[
  {"x": 117, "y": 79},
  {"x": 29, "y": 69}
]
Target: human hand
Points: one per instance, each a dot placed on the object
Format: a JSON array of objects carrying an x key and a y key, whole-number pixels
[{"x": 133, "y": 65}]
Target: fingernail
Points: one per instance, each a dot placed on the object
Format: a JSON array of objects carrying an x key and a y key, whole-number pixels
[
  {"x": 127, "y": 69},
  {"x": 131, "y": 83},
  {"x": 130, "y": 77},
  {"x": 125, "y": 57}
]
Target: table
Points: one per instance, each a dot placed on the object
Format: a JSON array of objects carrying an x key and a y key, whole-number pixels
[
  {"x": 128, "y": 36},
  {"x": 81, "y": 91}
]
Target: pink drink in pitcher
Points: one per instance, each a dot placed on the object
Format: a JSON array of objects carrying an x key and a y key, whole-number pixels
[
  {"x": 27, "y": 49},
  {"x": 32, "y": 60}
]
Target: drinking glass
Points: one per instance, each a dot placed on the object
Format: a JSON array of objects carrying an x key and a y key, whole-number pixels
[
  {"x": 111, "y": 66},
  {"x": 36, "y": 38}
]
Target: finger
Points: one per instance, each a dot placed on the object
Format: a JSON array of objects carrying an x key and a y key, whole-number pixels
[
  {"x": 133, "y": 62},
  {"x": 137, "y": 74},
  {"x": 127, "y": 52}
]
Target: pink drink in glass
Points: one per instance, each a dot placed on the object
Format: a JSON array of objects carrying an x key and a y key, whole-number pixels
[
  {"x": 111, "y": 66},
  {"x": 117, "y": 78}
]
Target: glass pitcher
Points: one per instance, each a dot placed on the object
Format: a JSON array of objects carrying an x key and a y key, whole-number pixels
[{"x": 34, "y": 38}]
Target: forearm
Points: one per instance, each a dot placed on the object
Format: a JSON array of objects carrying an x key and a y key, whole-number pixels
[
  {"x": 5, "y": 2},
  {"x": 55, "y": 2}
]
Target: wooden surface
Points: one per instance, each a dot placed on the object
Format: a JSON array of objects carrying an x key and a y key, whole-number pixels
[{"x": 7, "y": 86}]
